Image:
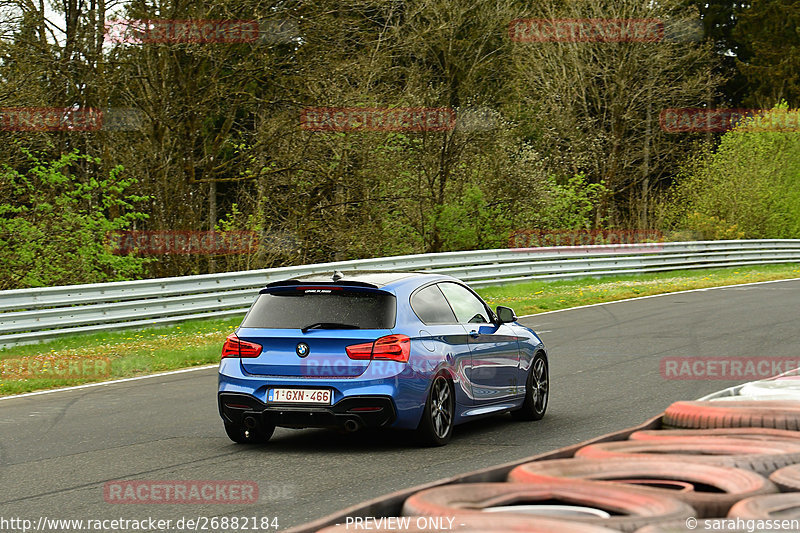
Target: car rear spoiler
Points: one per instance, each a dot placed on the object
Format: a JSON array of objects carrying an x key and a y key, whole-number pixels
[{"x": 340, "y": 283}]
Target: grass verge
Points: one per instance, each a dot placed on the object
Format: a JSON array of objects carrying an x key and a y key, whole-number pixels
[
  {"x": 112, "y": 355},
  {"x": 129, "y": 353},
  {"x": 533, "y": 297}
]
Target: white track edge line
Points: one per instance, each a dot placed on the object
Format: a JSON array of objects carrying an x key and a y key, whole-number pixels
[
  {"x": 661, "y": 294},
  {"x": 112, "y": 382},
  {"x": 183, "y": 370}
]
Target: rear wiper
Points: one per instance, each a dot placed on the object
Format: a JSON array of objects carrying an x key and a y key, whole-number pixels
[{"x": 328, "y": 325}]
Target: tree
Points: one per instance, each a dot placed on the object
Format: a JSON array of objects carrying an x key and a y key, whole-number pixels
[
  {"x": 770, "y": 31},
  {"x": 592, "y": 107}
]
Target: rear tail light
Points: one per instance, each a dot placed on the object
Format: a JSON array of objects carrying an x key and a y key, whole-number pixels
[
  {"x": 360, "y": 351},
  {"x": 391, "y": 348},
  {"x": 236, "y": 347}
]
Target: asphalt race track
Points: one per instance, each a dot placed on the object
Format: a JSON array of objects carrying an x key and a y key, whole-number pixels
[{"x": 57, "y": 450}]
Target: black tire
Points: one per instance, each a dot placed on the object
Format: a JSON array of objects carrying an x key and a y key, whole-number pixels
[
  {"x": 768, "y": 507},
  {"x": 436, "y": 426},
  {"x": 242, "y": 435},
  {"x": 714, "y": 489},
  {"x": 630, "y": 508},
  {"x": 537, "y": 391},
  {"x": 760, "y": 456},
  {"x": 709, "y": 414},
  {"x": 787, "y": 478}
]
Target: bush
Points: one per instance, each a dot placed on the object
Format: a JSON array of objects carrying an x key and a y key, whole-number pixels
[
  {"x": 748, "y": 188},
  {"x": 53, "y": 226},
  {"x": 572, "y": 204}
]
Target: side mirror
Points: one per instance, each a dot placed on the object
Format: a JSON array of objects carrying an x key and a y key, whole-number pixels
[{"x": 506, "y": 314}]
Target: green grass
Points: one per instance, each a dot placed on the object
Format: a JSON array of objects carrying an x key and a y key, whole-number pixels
[
  {"x": 539, "y": 296},
  {"x": 158, "y": 349},
  {"x": 129, "y": 352}
]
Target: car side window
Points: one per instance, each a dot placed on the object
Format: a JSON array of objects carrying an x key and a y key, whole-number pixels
[
  {"x": 468, "y": 308},
  {"x": 431, "y": 307}
]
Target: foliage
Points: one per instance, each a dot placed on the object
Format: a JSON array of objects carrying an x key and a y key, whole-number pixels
[
  {"x": 555, "y": 135},
  {"x": 53, "y": 227},
  {"x": 749, "y": 187},
  {"x": 573, "y": 204}
]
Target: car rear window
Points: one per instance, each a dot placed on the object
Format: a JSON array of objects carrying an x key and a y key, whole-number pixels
[{"x": 297, "y": 308}]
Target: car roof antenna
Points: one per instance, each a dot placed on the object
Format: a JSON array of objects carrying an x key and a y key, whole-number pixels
[{"x": 337, "y": 275}]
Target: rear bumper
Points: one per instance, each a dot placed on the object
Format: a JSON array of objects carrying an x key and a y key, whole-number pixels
[
  {"x": 364, "y": 411},
  {"x": 406, "y": 390}
]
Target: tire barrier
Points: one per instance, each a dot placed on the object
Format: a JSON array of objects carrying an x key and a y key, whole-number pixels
[
  {"x": 630, "y": 508},
  {"x": 760, "y": 456},
  {"x": 784, "y": 506},
  {"x": 711, "y": 414},
  {"x": 705, "y": 460},
  {"x": 787, "y": 479},
  {"x": 738, "y": 433},
  {"x": 471, "y": 524},
  {"x": 787, "y": 388},
  {"x": 712, "y": 490}
]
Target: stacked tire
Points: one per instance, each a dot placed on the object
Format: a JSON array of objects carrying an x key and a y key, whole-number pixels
[
  {"x": 733, "y": 413},
  {"x": 717, "y": 465},
  {"x": 767, "y": 412},
  {"x": 709, "y": 489}
]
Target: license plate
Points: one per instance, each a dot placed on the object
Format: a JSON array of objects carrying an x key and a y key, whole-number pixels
[{"x": 312, "y": 396}]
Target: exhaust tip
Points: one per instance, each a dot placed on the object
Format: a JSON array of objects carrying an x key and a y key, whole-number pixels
[
  {"x": 351, "y": 425},
  {"x": 250, "y": 422}
]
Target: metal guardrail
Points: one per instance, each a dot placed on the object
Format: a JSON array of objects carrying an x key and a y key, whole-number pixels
[{"x": 38, "y": 314}]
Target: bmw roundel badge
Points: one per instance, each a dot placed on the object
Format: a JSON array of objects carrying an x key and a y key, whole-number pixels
[{"x": 302, "y": 349}]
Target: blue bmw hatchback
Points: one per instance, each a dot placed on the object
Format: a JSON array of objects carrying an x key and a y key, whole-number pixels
[{"x": 370, "y": 349}]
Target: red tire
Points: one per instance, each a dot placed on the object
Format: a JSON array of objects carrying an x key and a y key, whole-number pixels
[
  {"x": 632, "y": 508},
  {"x": 760, "y": 456},
  {"x": 738, "y": 433},
  {"x": 787, "y": 478},
  {"x": 727, "y": 485},
  {"x": 732, "y": 414},
  {"x": 476, "y": 524},
  {"x": 785, "y": 506}
]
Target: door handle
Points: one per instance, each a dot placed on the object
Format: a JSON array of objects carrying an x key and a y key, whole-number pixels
[{"x": 474, "y": 334}]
